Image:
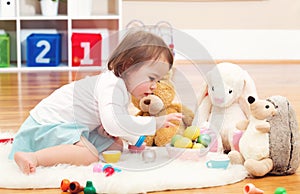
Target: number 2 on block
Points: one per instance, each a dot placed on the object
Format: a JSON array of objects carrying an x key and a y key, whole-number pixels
[
  {"x": 40, "y": 58},
  {"x": 86, "y": 54}
]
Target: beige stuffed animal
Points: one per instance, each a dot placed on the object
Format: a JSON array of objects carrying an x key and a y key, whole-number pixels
[
  {"x": 255, "y": 155},
  {"x": 270, "y": 144},
  {"x": 161, "y": 103},
  {"x": 223, "y": 103}
]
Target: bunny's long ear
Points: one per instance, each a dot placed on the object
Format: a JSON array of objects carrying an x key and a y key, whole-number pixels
[
  {"x": 203, "y": 93},
  {"x": 204, "y": 108},
  {"x": 249, "y": 90}
]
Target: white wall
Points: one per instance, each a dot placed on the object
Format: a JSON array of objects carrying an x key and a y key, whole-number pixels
[
  {"x": 216, "y": 14},
  {"x": 240, "y": 29},
  {"x": 249, "y": 44}
]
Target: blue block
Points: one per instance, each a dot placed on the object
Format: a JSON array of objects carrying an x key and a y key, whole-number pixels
[{"x": 43, "y": 50}]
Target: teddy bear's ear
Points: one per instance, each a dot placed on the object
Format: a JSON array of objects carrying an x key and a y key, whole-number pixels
[{"x": 135, "y": 102}]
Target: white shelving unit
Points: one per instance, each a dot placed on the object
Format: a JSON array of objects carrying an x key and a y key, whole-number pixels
[{"x": 105, "y": 17}]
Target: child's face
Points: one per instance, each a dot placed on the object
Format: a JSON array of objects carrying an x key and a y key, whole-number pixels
[{"x": 142, "y": 82}]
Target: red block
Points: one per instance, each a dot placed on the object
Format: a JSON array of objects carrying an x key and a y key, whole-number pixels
[{"x": 86, "y": 49}]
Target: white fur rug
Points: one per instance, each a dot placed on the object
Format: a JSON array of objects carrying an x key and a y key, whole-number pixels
[{"x": 136, "y": 175}]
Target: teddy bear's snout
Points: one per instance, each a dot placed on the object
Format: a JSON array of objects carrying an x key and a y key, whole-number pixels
[{"x": 147, "y": 102}]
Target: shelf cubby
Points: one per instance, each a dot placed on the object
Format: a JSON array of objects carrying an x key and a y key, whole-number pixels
[{"x": 105, "y": 18}]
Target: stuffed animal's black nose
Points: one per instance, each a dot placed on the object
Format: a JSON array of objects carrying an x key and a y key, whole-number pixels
[
  {"x": 147, "y": 102},
  {"x": 251, "y": 99}
]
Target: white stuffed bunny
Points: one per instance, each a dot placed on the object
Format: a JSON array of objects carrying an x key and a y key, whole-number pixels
[{"x": 224, "y": 102}]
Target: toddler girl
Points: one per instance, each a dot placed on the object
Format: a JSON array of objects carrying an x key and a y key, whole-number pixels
[{"x": 86, "y": 117}]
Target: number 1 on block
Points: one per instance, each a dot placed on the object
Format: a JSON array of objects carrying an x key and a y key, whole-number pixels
[{"x": 86, "y": 54}]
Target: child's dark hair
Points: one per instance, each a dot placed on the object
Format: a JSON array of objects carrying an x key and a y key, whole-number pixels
[{"x": 138, "y": 47}]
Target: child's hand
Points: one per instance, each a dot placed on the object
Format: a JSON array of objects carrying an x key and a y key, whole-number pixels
[{"x": 165, "y": 121}]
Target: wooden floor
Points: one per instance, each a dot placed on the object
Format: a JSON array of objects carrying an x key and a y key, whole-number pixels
[{"x": 20, "y": 92}]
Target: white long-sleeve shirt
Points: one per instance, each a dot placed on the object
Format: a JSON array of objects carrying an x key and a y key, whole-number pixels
[{"x": 98, "y": 100}]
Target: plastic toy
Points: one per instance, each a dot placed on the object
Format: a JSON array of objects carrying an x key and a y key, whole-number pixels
[
  {"x": 192, "y": 138},
  {"x": 75, "y": 187},
  {"x": 280, "y": 190},
  {"x": 89, "y": 188},
  {"x": 72, "y": 187},
  {"x": 97, "y": 168},
  {"x": 204, "y": 139},
  {"x": 149, "y": 155},
  {"x": 117, "y": 169},
  {"x": 111, "y": 156},
  {"x": 217, "y": 163},
  {"x": 109, "y": 171},
  {"x": 64, "y": 185},
  {"x": 135, "y": 149},
  {"x": 134, "y": 140},
  {"x": 213, "y": 145},
  {"x": 251, "y": 189},
  {"x": 6, "y": 140}
]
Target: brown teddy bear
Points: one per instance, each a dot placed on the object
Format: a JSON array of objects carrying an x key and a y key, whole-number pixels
[
  {"x": 270, "y": 144},
  {"x": 161, "y": 103}
]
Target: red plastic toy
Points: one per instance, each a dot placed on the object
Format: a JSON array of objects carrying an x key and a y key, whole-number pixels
[
  {"x": 109, "y": 171},
  {"x": 6, "y": 140}
]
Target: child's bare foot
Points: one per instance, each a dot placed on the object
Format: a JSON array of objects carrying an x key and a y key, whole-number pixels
[{"x": 26, "y": 161}]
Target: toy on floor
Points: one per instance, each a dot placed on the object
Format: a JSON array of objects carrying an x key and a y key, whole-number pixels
[
  {"x": 64, "y": 185},
  {"x": 270, "y": 144},
  {"x": 89, "y": 188},
  {"x": 252, "y": 189},
  {"x": 74, "y": 187},
  {"x": 280, "y": 190},
  {"x": 161, "y": 103},
  {"x": 223, "y": 102}
]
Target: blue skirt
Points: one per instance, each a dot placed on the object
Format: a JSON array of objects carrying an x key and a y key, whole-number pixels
[{"x": 33, "y": 136}]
